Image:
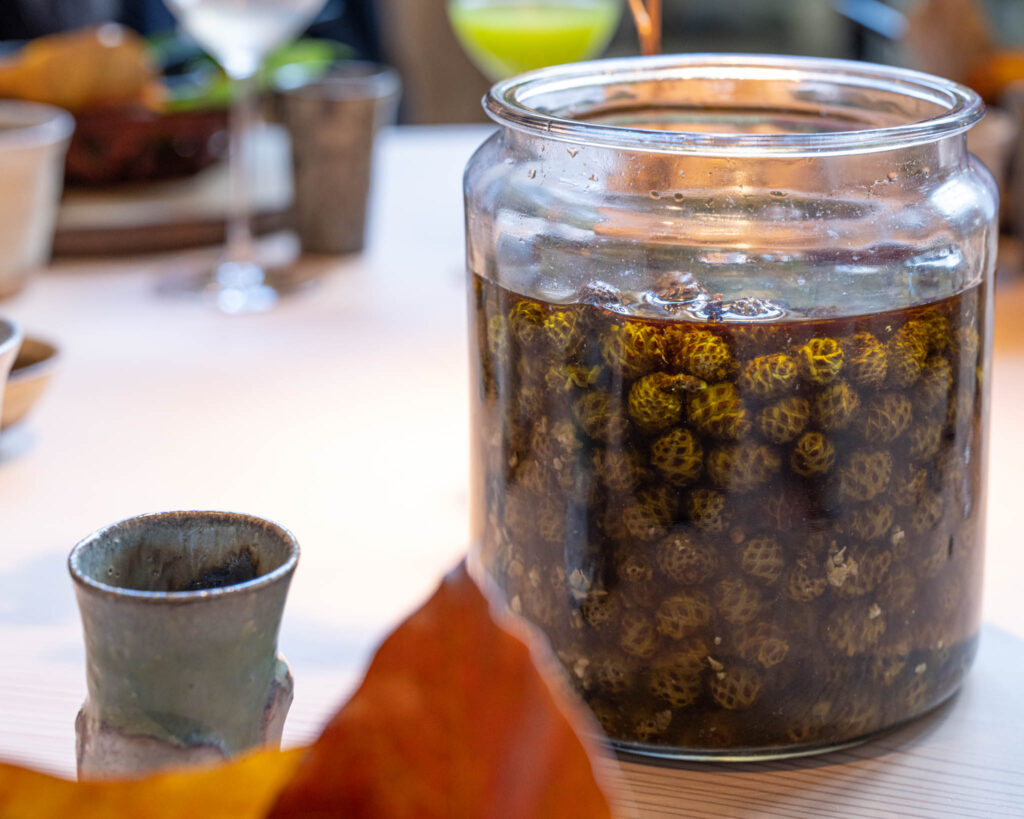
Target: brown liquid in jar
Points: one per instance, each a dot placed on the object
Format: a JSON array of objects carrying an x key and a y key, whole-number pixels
[{"x": 737, "y": 536}]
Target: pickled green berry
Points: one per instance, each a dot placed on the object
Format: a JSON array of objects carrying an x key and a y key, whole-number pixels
[
  {"x": 867, "y": 360},
  {"x": 736, "y": 687},
  {"x": 864, "y": 475},
  {"x": 526, "y": 321},
  {"x": 649, "y": 514},
  {"x": 908, "y": 350},
  {"x": 908, "y": 482},
  {"x": 618, "y": 469},
  {"x": 813, "y": 455},
  {"x": 647, "y": 725},
  {"x": 634, "y": 349},
  {"x": 834, "y": 406},
  {"x": 678, "y": 684},
  {"x": 563, "y": 332},
  {"x": 601, "y": 608},
  {"x": 703, "y": 354},
  {"x": 820, "y": 360},
  {"x": 898, "y": 588},
  {"x": 784, "y": 420},
  {"x": 936, "y": 329},
  {"x": 854, "y": 628},
  {"x": 737, "y": 601},
  {"x": 678, "y": 456},
  {"x": 806, "y": 580},
  {"x": 936, "y": 383},
  {"x": 885, "y": 417},
  {"x": 768, "y": 376},
  {"x": 635, "y": 572},
  {"x": 763, "y": 644},
  {"x": 707, "y": 509},
  {"x": 924, "y": 439},
  {"x": 685, "y": 558},
  {"x": 870, "y": 521},
  {"x": 928, "y": 511},
  {"x": 599, "y": 417},
  {"x": 566, "y": 379},
  {"x": 637, "y": 634},
  {"x": 762, "y": 558},
  {"x": 610, "y": 674},
  {"x": 682, "y": 614},
  {"x": 551, "y": 521},
  {"x": 742, "y": 467},
  {"x": 718, "y": 411},
  {"x": 656, "y": 401},
  {"x": 872, "y": 567}
]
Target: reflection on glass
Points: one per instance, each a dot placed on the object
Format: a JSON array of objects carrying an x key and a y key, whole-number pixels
[{"x": 239, "y": 34}]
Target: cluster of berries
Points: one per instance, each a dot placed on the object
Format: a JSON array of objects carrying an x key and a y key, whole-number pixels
[{"x": 736, "y": 536}]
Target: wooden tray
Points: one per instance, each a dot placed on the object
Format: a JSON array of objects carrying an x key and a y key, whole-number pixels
[{"x": 180, "y": 212}]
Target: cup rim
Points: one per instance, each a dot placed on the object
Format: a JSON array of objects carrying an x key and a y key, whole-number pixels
[
  {"x": 340, "y": 81},
  {"x": 270, "y": 578},
  {"x": 39, "y": 124},
  {"x": 525, "y": 103},
  {"x": 11, "y": 337}
]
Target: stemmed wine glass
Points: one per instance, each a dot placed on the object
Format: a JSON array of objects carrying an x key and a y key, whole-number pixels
[
  {"x": 239, "y": 34},
  {"x": 507, "y": 37}
]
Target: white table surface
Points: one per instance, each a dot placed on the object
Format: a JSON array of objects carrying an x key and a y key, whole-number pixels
[{"x": 342, "y": 414}]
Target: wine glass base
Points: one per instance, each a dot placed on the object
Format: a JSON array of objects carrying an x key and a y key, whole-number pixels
[{"x": 239, "y": 287}]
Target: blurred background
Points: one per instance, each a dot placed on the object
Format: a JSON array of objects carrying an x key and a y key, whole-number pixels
[
  {"x": 442, "y": 85},
  {"x": 155, "y": 106}
]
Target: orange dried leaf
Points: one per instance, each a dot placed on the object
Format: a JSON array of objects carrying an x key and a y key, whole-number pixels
[
  {"x": 452, "y": 719},
  {"x": 237, "y": 790}
]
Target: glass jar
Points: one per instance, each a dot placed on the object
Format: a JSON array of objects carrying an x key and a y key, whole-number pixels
[{"x": 730, "y": 330}]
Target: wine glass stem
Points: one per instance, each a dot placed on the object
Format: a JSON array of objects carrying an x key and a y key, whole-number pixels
[{"x": 243, "y": 115}]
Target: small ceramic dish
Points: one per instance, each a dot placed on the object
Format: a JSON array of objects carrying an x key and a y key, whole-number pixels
[{"x": 32, "y": 371}]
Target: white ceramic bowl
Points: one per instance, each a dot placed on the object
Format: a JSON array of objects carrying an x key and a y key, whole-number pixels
[
  {"x": 10, "y": 341},
  {"x": 33, "y": 141}
]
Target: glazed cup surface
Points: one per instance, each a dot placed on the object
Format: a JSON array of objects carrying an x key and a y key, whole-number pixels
[{"x": 180, "y": 613}]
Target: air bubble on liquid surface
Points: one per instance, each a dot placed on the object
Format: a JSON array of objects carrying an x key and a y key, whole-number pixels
[
  {"x": 555, "y": 291},
  {"x": 723, "y": 257},
  {"x": 745, "y": 309},
  {"x": 673, "y": 291},
  {"x": 750, "y": 308},
  {"x": 600, "y": 294}
]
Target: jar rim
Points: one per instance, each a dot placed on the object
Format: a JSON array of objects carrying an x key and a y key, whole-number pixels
[{"x": 518, "y": 103}]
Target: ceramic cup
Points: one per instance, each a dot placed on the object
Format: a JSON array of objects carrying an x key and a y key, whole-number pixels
[
  {"x": 181, "y": 612},
  {"x": 332, "y": 123},
  {"x": 33, "y": 141},
  {"x": 10, "y": 343}
]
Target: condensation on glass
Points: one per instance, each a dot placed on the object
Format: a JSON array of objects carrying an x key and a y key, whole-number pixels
[{"x": 730, "y": 330}]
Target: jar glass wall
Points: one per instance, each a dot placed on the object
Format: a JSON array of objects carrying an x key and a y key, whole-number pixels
[{"x": 730, "y": 331}]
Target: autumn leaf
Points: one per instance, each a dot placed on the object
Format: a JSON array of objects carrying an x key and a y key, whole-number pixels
[
  {"x": 241, "y": 790},
  {"x": 452, "y": 720}
]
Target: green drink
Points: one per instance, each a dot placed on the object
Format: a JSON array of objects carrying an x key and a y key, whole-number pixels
[{"x": 505, "y": 37}]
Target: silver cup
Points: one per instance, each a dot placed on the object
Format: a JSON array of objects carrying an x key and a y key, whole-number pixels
[{"x": 332, "y": 123}]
